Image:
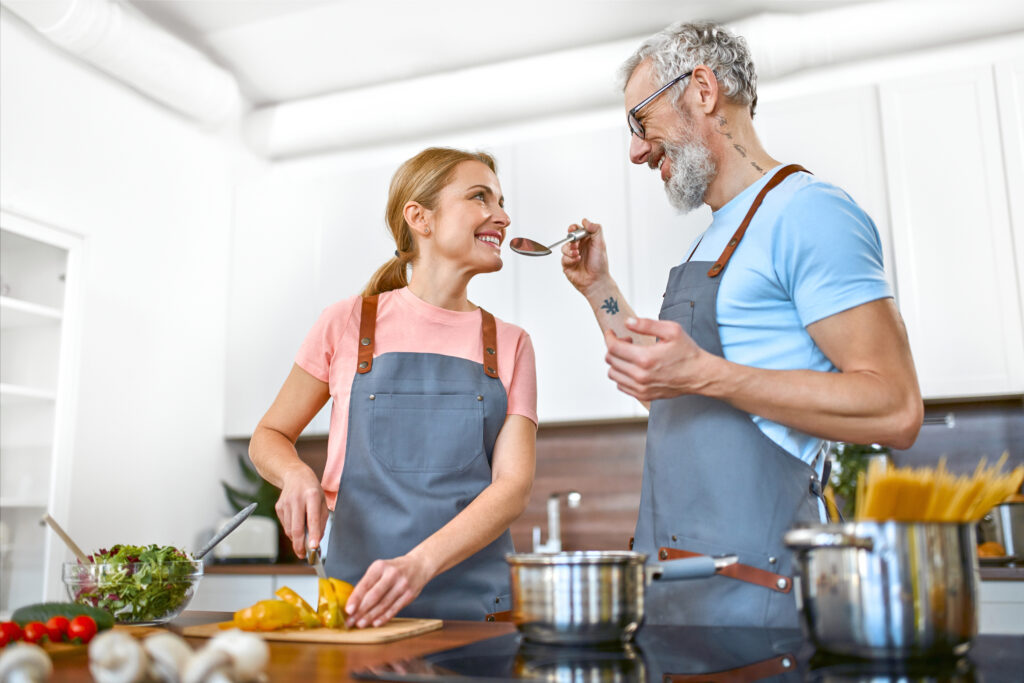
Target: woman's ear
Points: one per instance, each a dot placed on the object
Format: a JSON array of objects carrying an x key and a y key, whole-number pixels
[{"x": 417, "y": 216}]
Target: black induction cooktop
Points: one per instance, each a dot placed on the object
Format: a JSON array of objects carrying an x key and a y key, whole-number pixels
[{"x": 667, "y": 654}]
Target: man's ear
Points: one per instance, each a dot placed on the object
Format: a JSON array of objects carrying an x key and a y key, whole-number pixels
[
  {"x": 417, "y": 216},
  {"x": 705, "y": 84}
]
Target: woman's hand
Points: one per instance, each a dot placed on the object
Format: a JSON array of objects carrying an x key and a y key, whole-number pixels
[
  {"x": 585, "y": 261},
  {"x": 386, "y": 587},
  {"x": 302, "y": 508}
]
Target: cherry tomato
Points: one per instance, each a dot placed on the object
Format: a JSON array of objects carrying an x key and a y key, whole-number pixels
[
  {"x": 82, "y": 627},
  {"x": 57, "y": 628},
  {"x": 9, "y": 632},
  {"x": 35, "y": 631}
]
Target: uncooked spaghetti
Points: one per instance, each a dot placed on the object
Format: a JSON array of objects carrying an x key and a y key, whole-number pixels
[{"x": 932, "y": 494}]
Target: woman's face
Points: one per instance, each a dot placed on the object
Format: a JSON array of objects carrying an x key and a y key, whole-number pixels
[{"x": 469, "y": 222}]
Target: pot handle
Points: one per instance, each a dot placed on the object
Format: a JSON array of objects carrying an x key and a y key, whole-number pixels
[
  {"x": 809, "y": 539},
  {"x": 699, "y": 567}
]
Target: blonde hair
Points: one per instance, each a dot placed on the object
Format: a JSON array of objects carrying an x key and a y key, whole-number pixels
[{"x": 420, "y": 179}]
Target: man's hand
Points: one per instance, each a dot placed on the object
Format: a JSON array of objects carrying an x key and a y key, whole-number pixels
[
  {"x": 672, "y": 366},
  {"x": 386, "y": 587},
  {"x": 302, "y": 507},
  {"x": 585, "y": 261}
]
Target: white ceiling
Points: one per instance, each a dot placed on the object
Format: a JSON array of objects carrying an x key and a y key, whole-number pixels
[{"x": 284, "y": 50}]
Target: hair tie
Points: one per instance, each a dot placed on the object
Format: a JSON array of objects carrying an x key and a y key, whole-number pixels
[{"x": 396, "y": 254}]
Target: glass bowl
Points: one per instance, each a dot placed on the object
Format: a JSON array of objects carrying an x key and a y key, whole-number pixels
[{"x": 140, "y": 593}]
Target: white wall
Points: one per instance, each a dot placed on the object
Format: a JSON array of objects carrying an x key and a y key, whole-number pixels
[{"x": 152, "y": 195}]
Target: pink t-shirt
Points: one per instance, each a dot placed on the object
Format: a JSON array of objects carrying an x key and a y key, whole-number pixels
[{"x": 407, "y": 323}]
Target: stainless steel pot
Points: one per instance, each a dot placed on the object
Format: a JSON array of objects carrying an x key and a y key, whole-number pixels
[
  {"x": 1005, "y": 526},
  {"x": 593, "y": 596},
  {"x": 887, "y": 589}
]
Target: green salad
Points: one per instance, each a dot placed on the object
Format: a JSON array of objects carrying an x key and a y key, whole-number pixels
[{"x": 136, "y": 583}]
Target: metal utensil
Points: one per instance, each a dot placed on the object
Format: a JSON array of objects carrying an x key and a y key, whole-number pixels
[
  {"x": 528, "y": 247},
  {"x": 228, "y": 527},
  {"x": 314, "y": 560},
  {"x": 593, "y": 596},
  {"x": 887, "y": 590}
]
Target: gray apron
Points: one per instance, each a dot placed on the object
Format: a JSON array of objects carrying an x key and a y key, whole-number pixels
[
  {"x": 713, "y": 483},
  {"x": 421, "y": 433}
]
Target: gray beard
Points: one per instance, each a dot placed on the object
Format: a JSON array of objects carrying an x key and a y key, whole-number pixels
[{"x": 692, "y": 172}]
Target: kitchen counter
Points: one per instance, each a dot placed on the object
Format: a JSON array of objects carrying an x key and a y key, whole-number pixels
[{"x": 671, "y": 654}]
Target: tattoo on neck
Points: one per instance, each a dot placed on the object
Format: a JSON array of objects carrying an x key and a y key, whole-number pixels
[
  {"x": 722, "y": 122},
  {"x": 741, "y": 150},
  {"x": 754, "y": 164},
  {"x": 610, "y": 305}
]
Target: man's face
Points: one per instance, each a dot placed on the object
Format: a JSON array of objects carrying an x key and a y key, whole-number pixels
[{"x": 672, "y": 142}]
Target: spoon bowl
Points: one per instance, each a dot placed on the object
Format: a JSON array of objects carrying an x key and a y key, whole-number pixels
[{"x": 528, "y": 247}]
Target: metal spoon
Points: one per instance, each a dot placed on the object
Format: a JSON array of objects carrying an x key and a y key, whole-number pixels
[
  {"x": 228, "y": 527},
  {"x": 528, "y": 247}
]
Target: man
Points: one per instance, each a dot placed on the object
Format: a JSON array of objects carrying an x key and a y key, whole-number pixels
[{"x": 777, "y": 334}]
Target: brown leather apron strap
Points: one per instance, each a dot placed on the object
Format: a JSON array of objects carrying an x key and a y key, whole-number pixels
[
  {"x": 781, "y": 175},
  {"x": 499, "y": 616},
  {"x": 740, "y": 572},
  {"x": 751, "y": 672},
  {"x": 490, "y": 333},
  {"x": 367, "y": 324}
]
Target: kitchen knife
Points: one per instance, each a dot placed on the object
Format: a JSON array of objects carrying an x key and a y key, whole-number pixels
[{"x": 313, "y": 558}]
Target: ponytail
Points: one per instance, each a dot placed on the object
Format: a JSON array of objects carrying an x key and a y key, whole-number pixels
[{"x": 420, "y": 179}]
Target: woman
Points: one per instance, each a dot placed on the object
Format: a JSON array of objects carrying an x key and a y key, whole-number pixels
[{"x": 431, "y": 449}]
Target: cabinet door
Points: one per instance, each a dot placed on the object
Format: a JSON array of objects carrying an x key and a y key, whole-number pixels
[
  {"x": 837, "y": 136},
  {"x": 1010, "y": 89},
  {"x": 272, "y": 299},
  {"x": 951, "y": 233},
  {"x": 231, "y": 592},
  {"x": 559, "y": 181}
]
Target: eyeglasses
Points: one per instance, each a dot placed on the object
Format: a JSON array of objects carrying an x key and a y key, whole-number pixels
[{"x": 637, "y": 128}]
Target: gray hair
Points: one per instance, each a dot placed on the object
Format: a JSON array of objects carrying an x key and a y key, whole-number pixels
[{"x": 683, "y": 46}]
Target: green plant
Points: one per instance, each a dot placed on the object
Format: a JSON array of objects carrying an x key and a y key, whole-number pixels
[
  {"x": 849, "y": 460},
  {"x": 261, "y": 492}
]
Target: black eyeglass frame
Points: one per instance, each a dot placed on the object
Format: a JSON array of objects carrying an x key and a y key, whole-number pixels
[{"x": 637, "y": 128}]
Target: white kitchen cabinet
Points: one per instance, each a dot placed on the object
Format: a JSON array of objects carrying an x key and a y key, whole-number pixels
[
  {"x": 951, "y": 231},
  {"x": 272, "y": 296},
  {"x": 1000, "y": 607},
  {"x": 38, "y": 326},
  {"x": 1010, "y": 92},
  {"x": 559, "y": 181},
  {"x": 232, "y": 592}
]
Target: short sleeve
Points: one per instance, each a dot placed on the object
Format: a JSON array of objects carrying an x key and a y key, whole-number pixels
[
  {"x": 828, "y": 254},
  {"x": 319, "y": 347},
  {"x": 522, "y": 392}
]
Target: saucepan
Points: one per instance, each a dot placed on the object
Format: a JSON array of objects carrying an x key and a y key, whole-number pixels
[
  {"x": 591, "y": 596},
  {"x": 887, "y": 590}
]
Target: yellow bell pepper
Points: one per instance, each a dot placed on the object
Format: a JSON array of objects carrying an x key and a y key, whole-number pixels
[
  {"x": 327, "y": 605},
  {"x": 342, "y": 591},
  {"x": 267, "y": 615},
  {"x": 307, "y": 616}
]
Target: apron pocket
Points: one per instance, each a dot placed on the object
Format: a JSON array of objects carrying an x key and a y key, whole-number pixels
[
  {"x": 680, "y": 312},
  {"x": 427, "y": 432}
]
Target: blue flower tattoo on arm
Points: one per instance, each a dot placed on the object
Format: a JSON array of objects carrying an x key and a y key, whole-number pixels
[{"x": 610, "y": 305}]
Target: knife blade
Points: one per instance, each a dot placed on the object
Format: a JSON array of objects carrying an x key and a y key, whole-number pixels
[{"x": 313, "y": 558}]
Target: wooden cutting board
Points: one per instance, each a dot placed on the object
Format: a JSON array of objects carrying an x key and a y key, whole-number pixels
[{"x": 396, "y": 629}]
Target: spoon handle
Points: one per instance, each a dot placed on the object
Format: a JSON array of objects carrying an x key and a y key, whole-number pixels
[
  {"x": 72, "y": 546},
  {"x": 573, "y": 236},
  {"x": 230, "y": 526}
]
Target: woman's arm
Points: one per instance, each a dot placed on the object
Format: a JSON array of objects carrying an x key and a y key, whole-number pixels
[
  {"x": 301, "y": 504},
  {"x": 389, "y": 585}
]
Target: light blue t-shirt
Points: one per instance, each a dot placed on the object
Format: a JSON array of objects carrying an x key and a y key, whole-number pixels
[{"x": 809, "y": 252}]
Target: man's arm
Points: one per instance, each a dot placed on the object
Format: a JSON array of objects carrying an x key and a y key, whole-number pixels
[{"x": 874, "y": 398}]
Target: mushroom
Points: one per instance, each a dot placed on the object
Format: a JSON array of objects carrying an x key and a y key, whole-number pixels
[
  {"x": 229, "y": 656},
  {"x": 168, "y": 656},
  {"x": 116, "y": 657},
  {"x": 24, "y": 663}
]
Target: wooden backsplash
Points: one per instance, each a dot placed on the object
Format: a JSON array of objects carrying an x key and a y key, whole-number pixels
[{"x": 604, "y": 462}]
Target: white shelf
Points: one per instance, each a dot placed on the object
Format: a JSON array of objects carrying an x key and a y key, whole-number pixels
[
  {"x": 22, "y": 503},
  {"x": 13, "y": 393},
  {"x": 18, "y": 313}
]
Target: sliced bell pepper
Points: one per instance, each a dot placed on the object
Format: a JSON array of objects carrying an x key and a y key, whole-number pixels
[{"x": 307, "y": 616}]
